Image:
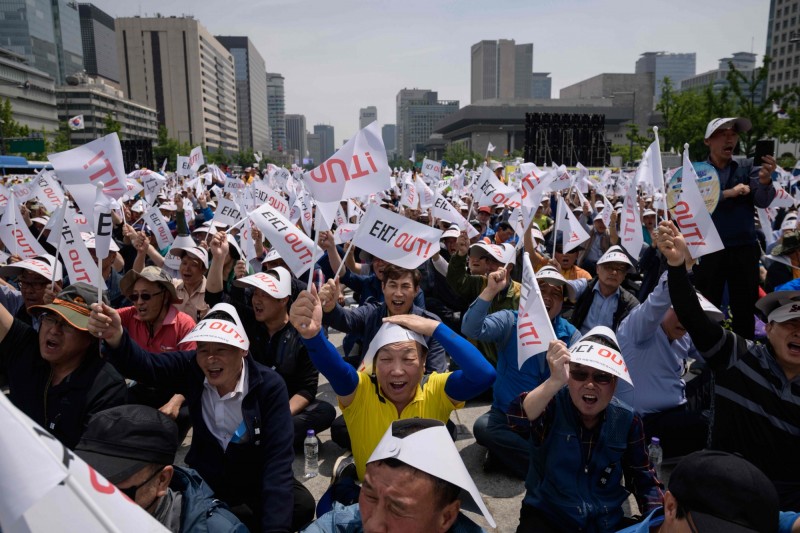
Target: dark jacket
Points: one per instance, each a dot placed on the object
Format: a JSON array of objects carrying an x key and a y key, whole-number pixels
[
  {"x": 627, "y": 301},
  {"x": 257, "y": 470},
  {"x": 94, "y": 386},
  {"x": 200, "y": 510},
  {"x": 367, "y": 319}
]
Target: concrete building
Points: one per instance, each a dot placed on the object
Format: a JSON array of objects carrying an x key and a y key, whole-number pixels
[
  {"x": 45, "y": 32},
  {"x": 389, "y": 136},
  {"x": 313, "y": 141},
  {"x": 173, "y": 64},
  {"x": 676, "y": 67},
  {"x": 251, "y": 93},
  {"x": 276, "y": 110},
  {"x": 418, "y": 110},
  {"x": 541, "y": 86},
  {"x": 296, "y": 136},
  {"x": 99, "y": 40},
  {"x": 634, "y": 91},
  {"x": 744, "y": 62},
  {"x": 326, "y": 140},
  {"x": 783, "y": 45},
  {"x": 31, "y": 93},
  {"x": 500, "y": 69},
  {"x": 96, "y": 99},
  {"x": 366, "y": 116}
]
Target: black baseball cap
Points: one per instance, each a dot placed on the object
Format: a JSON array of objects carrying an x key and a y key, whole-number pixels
[
  {"x": 725, "y": 493},
  {"x": 121, "y": 441}
]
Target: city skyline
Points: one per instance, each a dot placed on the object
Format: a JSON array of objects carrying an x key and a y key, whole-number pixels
[{"x": 339, "y": 63}]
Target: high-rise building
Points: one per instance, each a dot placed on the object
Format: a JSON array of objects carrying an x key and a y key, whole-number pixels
[
  {"x": 46, "y": 32},
  {"x": 314, "y": 144},
  {"x": 276, "y": 110},
  {"x": 541, "y": 85},
  {"x": 296, "y": 135},
  {"x": 251, "y": 93},
  {"x": 366, "y": 116},
  {"x": 99, "y": 41},
  {"x": 176, "y": 66},
  {"x": 389, "y": 135},
  {"x": 676, "y": 67},
  {"x": 418, "y": 110},
  {"x": 632, "y": 91},
  {"x": 783, "y": 45},
  {"x": 744, "y": 62},
  {"x": 326, "y": 140},
  {"x": 31, "y": 93},
  {"x": 501, "y": 69}
]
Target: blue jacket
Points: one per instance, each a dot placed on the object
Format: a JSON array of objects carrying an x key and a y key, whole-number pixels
[
  {"x": 367, "y": 319},
  {"x": 258, "y": 469},
  {"x": 200, "y": 510},
  {"x": 577, "y": 495},
  {"x": 348, "y": 520},
  {"x": 501, "y": 328}
]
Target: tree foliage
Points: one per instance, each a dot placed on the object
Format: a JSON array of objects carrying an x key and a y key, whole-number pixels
[
  {"x": 456, "y": 153},
  {"x": 112, "y": 125}
]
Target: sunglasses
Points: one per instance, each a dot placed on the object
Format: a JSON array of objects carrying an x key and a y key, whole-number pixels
[
  {"x": 144, "y": 296},
  {"x": 601, "y": 378}
]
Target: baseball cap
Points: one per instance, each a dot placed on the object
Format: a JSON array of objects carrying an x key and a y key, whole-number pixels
[
  {"x": 277, "y": 282},
  {"x": 740, "y": 124},
  {"x": 725, "y": 493},
  {"x": 73, "y": 304},
  {"x": 120, "y": 441},
  {"x": 485, "y": 209},
  {"x": 780, "y": 306},
  {"x": 387, "y": 334}
]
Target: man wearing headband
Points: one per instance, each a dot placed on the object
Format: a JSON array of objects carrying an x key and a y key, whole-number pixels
[
  {"x": 579, "y": 431},
  {"x": 756, "y": 396},
  {"x": 415, "y": 482},
  {"x": 506, "y": 446},
  {"x": 242, "y": 439},
  {"x": 55, "y": 375}
]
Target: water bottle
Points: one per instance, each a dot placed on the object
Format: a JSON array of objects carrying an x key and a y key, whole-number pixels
[
  {"x": 656, "y": 455},
  {"x": 312, "y": 453}
]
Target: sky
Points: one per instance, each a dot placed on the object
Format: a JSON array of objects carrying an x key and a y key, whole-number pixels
[{"x": 338, "y": 56}]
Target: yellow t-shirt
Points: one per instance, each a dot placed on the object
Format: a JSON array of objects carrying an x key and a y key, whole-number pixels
[{"x": 370, "y": 415}]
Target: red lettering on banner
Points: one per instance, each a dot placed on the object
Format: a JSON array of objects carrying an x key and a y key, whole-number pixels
[
  {"x": 80, "y": 271},
  {"x": 24, "y": 248},
  {"x": 226, "y": 328},
  {"x": 407, "y": 243},
  {"x": 297, "y": 245},
  {"x": 267, "y": 279},
  {"x": 96, "y": 485},
  {"x": 51, "y": 195},
  {"x": 106, "y": 169},
  {"x": 528, "y": 330},
  {"x": 613, "y": 356},
  {"x": 683, "y": 216}
]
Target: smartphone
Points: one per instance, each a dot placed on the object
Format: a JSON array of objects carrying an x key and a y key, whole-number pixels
[{"x": 764, "y": 147}]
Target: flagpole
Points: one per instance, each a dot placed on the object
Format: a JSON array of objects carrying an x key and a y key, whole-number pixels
[
  {"x": 58, "y": 253},
  {"x": 314, "y": 220},
  {"x": 346, "y": 254},
  {"x": 100, "y": 280}
]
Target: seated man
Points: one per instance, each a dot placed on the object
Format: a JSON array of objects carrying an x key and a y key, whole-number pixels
[
  {"x": 133, "y": 447},
  {"x": 389, "y": 385},
  {"x": 506, "y": 446},
  {"x": 603, "y": 301},
  {"x": 242, "y": 440},
  {"x": 583, "y": 441},
  {"x": 408, "y": 488},
  {"x": 56, "y": 375}
]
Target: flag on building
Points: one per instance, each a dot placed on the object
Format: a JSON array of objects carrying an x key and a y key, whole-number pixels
[{"x": 76, "y": 123}]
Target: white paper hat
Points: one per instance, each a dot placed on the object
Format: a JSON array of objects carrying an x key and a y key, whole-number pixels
[
  {"x": 777, "y": 301},
  {"x": 615, "y": 254},
  {"x": 88, "y": 240},
  {"x": 495, "y": 250},
  {"x": 212, "y": 329},
  {"x": 168, "y": 206},
  {"x": 789, "y": 223},
  {"x": 387, "y": 334},
  {"x": 138, "y": 206},
  {"x": 431, "y": 450},
  {"x": 598, "y": 356},
  {"x": 510, "y": 255},
  {"x": 551, "y": 275},
  {"x": 41, "y": 220},
  {"x": 537, "y": 233},
  {"x": 171, "y": 260},
  {"x": 232, "y": 244},
  {"x": 194, "y": 251},
  {"x": 450, "y": 232},
  {"x": 277, "y": 282},
  {"x": 41, "y": 264},
  {"x": 273, "y": 255}
]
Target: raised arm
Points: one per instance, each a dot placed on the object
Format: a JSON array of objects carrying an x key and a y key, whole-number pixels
[{"x": 558, "y": 359}]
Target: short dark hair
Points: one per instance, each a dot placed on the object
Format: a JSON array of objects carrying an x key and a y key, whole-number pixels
[
  {"x": 394, "y": 272},
  {"x": 444, "y": 491},
  {"x": 504, "y": 226},
  {"x": 603, "y": 341}
]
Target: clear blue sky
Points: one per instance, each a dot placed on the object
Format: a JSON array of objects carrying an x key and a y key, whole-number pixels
[{"x": 339, "y": 56}]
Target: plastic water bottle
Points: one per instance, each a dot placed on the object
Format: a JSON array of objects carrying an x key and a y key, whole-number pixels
[
  {"x": 656, "y": 455},
  {"x": 312, "y": 454}
]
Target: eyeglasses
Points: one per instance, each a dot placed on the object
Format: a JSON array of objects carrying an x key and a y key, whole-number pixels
[
  {"x": 601, "y": 378},
  {"x": 52, "y": 321},
  {"x": 130, "y": 492},
  {"x": 144, "y": 296},
  {"x": 619, "y": 269}
]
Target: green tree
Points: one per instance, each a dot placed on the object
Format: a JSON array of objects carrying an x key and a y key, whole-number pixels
[
  {"x": 168, "y": 148},
  {"x": 636, "y": 141},
  {"x": 63, "y": 138},
  {"x": 456, "y": 153},
  {"x": 112, "y": 125},
  {"x": 744, "y": 89},
  {"x": 10, "y": 128}
]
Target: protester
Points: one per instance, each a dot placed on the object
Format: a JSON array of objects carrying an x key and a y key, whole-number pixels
[
  {"x": 134, "y": 447},
  {"x": 191, "y": 287},
  {"x": 600, "y": 240},
  {"x": 33, "y": 277},
  {"x": 779, "y": 272}
]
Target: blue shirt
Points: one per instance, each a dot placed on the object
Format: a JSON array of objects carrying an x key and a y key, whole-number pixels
[
  {"x": 655, "y": 518},
  {"x": 601, "y": 312}
]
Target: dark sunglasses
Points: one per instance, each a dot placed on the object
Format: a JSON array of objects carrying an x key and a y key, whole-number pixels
[
  {"x": 130, "y": 492},
  {"x": 144, "y": 296},
  {"x": 601, "y": 378}
]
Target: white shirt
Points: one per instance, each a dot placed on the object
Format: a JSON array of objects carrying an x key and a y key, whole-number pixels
[{"x": 223, "y": 415}]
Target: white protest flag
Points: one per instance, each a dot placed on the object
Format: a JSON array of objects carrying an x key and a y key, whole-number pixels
[
  {"x": 655, "y": 170},
  {"x": 572, "y": 232},
  {"x": 183, "y": 166},
  {"x": 534, "y": 329},
  {"x": 76, "y": 257},
  {"x": 46, "y": 487},
  {"x": 24, "y": 192},
  {"x": 344, "y": 233},
  {"x": 81, "y": 168},
  {"x": 354, "y": 211},
  {"x": 246, "y": 241},
  {"x": 158, "y": 225},
  {"x": 307, "y": 215},
  {"x": 357, "y": 169},
  {"x": 15, "y": 234},
  {"x": 490, "y": 148},
  {"x": 782, "y": 198},
  {"x": 49, "y": 194},
  {"x": 294, "y": 246},
  {"x": 766, "y": 225},
  {"x": 340, "y": 216},
  {"x": 492, "y": 191},
  {"x": 54, "y": 225},
  {"x": 5, "y": 194},
  {"x": 196, "y": 159},
  {"x": 152, "y": 183},
  {"x": 395, "y": 238},
  {"x": 228, "y": 212},
  {"x": 562, "y": 180},
  {"x": 432, "y": 170},
  {"x": 630, "y": 229},
  {"x": 409, "y": 197},
  {"x": 607, "y": 210},
  {"x": 425, "y": 193},
  {"x": 444, "y": 210},
  {"x": 133, "y": 187},
  {"x": 692, "y": 217},
  {"x": 234, "y": 186},
  {"x": 264, "y": 195},
  {"x": 533, "y": 186},
  {"x": 103, "y": 223},
  {"x": 413, "y": 157}
]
